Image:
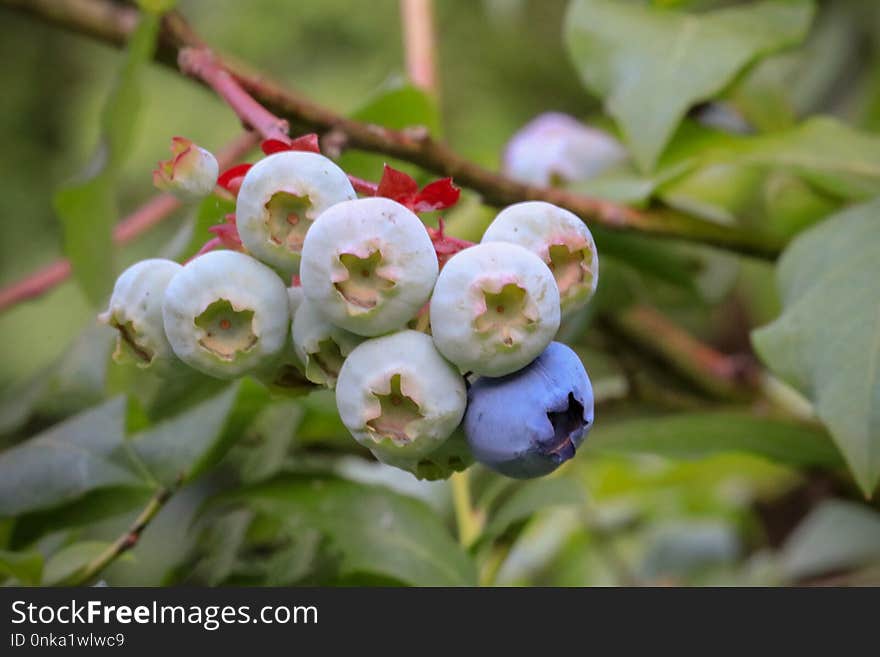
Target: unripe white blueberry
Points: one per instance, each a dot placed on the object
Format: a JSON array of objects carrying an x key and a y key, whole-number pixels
[
  {"x": 190, "y": 174},
  {"x": 135, "y": 311},
  {"x": 559, "y": 238},
  {"x": 369, "y": 265},
  {"x": 398, "y": 396},
  {"x": 555, "y": 147},
  {"x": 495, "y": 308},
  {"x": 321, "y": 346},
  {"x": 280, "y": 198},
  {"x": 226, "y": 314},
  {"x": 295, "y": 298}
]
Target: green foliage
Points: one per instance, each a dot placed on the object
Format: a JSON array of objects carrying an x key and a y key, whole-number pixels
[
  {"x": 22, "y": 567},
  {"x": 527, "y": 500},
  {"x": 375, "y": 531},
  {"x": 397, "y": 105},
  {"x": 827, "y": 341},
  {"x": 88, "y": 209},
  {"x": 671, "y": 60},
  {"x": 69, "y": 562},
  {"x": 63, "y": 471},
  {"x": 836, "y": 536},
  {"x": 699, "y": 435}
]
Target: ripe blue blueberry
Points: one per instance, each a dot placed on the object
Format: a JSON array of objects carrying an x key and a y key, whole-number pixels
[
  {"x": 494, "y": 309},
  {"x": 528, "y": 423},
  {"x": 280, "y": 197}
]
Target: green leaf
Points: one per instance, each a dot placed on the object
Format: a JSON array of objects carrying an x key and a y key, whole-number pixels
[
  {"x": 836, "y": 535},
  {"x": 396, "y": 105},
  {"x": 61, "y": 476},
  {"x": 700, "y": 435},
  {"x": 827, "y": 340},
  {"x": 264, "y": 454},
  {"x": 399, "y": 105},
  {"x": 528, "y": 499},
  {"x": 66, "y": 461},
  {"x": 64, "y": 566},
  {"x": 650, "y": 65},
  {"x": 87, "y": 208},
  {"x": 834, "y": 157},
  {"x": 25, "y": 567},
  {"x": 377, "y": 532},
  {"x": 187, "y": 444},
  {"x": 76, "y": 380}
]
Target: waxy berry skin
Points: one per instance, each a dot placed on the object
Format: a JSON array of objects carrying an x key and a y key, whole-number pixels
[
  {"x": 528, "y": 423},
  {"x": 226, "y": 314},
  {"x": 135, "y": 311},
  {"x": 555, "y": 147},
  {"x": 191, "y": 173},
  {"x": 559, "y": 238},
  {"x": 368, "y": 265},
  {"x": 495, "y": 308},
  {"x": 280, "y": 198},
  {"x": 321, "y": 346},
  {"x": 398, "y": 397}
]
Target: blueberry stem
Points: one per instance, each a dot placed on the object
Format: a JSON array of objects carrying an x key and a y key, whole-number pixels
[{"x": 465, "y": 517}]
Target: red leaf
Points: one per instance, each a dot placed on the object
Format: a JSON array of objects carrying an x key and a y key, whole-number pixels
[
  {"x": 402, "y": 188},
  {"x": 228, "y": 178},
  {"x": 397, "y": 186},
  {"x": 271, "y": 146},
  {"x": 307, "y": 142},
  {"x": 438, "y": 195}
]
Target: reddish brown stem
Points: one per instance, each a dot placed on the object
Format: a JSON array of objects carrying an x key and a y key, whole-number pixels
[
  {"x": 419, "y": 43},
  {"x": 201, "y": 63},
  {"x": 133, "y": 226},
  {"x": 718, "y": 374},
  {"x": 111, "y": 22}
]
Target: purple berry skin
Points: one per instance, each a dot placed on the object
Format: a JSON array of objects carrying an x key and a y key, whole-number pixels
[{"x": 528, "y": 423}]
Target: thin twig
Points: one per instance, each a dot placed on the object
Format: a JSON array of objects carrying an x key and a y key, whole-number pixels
[
  {"x": 466, "y": 519},
  {"x": 719, "y": 375},
  {"x": 128, "y": 539},
  {"x": 201, "y": 63},
  {"x": 420, "y": 44},
  {"x": 415, "y": 145},
  {"x": 131, "y": 227}
]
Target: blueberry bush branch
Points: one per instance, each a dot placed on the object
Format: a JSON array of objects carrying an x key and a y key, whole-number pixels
[
  {"x": 109, "y": 22},
  {"x": 722, "y": 376}
]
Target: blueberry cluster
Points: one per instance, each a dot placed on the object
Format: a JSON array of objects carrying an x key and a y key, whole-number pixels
[{"x": 432, "y": 367}]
